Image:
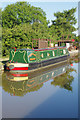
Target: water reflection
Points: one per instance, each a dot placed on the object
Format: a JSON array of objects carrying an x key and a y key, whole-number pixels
[
  {"x": 75, "y": 59},
  {"x": 19, "y": 84},
  {"x": 64, "y": 80}
]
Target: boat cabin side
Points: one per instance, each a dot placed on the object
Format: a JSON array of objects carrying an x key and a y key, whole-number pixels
[{"x": 36, "y": 55}]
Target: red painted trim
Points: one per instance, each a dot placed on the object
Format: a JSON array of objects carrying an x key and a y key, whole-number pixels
[
  {"x": 44, "y": 49},
  {"x": 62, "y": 48},
  {"x": 48, "y": 49},
  {"x": 7, "y": 68},
  {"x": 15, "y": 48},
  {"x": 20, "y": 68},
  {"x": 20, "y": 75}
]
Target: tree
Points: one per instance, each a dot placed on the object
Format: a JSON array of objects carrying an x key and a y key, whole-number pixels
[
  {"x": 22, "y": 22},
  {"x": 22, "y": 12},
  {"x": 40, "y": 30},
  {"x": 21, "y": 36},
  {"x": 64, "y": 22}
]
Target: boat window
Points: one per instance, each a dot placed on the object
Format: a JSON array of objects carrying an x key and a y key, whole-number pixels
[
  {"x": 48, "y": 54},
  {"x": 42, "y": 55},
  {"x": 64, "y": 51},
  {"x": 53, "y": 53}
]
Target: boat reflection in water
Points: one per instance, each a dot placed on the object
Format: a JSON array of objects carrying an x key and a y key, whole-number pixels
[{"x": 18, "y": 84}]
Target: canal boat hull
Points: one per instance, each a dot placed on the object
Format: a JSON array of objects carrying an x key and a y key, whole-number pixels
[
  {"x": 51, "y": 72},
  {"x": 47, "y": 62}
]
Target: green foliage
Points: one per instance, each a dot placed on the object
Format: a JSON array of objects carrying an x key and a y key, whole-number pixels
[
  {"x": 22, "y": 12},
  {"x": 77, "y": 38},
  {"x": 63, "y": 24},
  {"x": 0, "y": 32},
  {"x": 0, "y": 23},
  {"x": 0, "y": 17},
  {"x": 21, "y": 36},
  {"x": 22, "y": 22}
]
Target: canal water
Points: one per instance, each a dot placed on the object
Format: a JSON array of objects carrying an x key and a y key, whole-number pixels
[{"x": 50, "y": 93}]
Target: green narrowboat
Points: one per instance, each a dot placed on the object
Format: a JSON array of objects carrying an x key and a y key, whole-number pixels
[{"x": 29, "y": 59}]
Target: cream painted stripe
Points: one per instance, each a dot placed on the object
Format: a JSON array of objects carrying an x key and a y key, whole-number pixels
[
  {"x": 18, "y": 64},
  {"x": 18, "y": 78}
]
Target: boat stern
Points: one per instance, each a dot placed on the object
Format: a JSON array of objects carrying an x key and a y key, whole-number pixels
[{"x": 17, "y": 66}]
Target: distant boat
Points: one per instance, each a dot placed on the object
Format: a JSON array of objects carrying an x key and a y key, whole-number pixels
[{"x": 31, "y": 59}]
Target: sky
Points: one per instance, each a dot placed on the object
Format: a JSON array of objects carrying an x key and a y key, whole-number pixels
[{"x": 49, "y": 6}]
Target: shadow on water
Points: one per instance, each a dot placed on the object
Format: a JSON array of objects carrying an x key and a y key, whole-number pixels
[{"x": 19, "y": 84}]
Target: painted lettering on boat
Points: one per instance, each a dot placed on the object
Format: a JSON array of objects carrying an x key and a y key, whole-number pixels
[
  {"x": 31, "y": 55},
  {"x": 29, "y": 85},
  {"x": 32, "y": 59},
  {"x": 48, "y": 54}
]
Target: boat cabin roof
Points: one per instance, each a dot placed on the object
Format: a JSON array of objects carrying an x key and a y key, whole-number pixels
[{"x": 42, "y": 49}]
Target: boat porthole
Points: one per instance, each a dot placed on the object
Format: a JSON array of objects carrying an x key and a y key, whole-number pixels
[
  {"x": 48, "y": 54},
  {"x": 53, "y": 53},
  {"x": 42, "y": 55}
]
